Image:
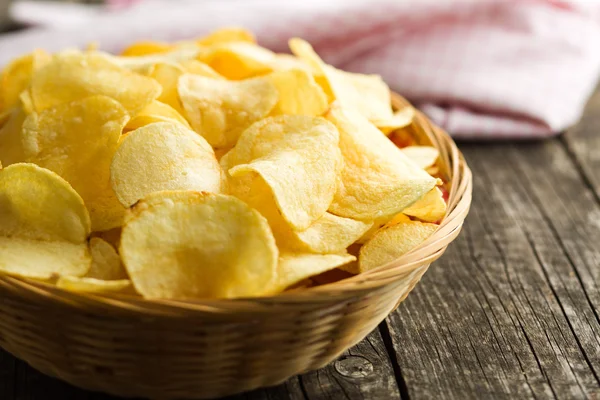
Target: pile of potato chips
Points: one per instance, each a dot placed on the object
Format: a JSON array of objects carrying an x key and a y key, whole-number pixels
[{"x": 211, "y": 168}]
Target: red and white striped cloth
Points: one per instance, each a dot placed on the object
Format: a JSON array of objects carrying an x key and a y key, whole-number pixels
[{"x": 481, "y": 69}]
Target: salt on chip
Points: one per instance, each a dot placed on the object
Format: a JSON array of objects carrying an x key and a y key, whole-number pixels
[
  {"x": 163, "y": 156},
  {"x": 299, "y": 94},
  {"x": 77, "y": 140},
  {"x": 238, "y": 60},
  {"x": 156, "y": 112},
  {"x": 92, "y": 285},
  {"x": 72, "y": 75},
  {"x": 11, "y": 146},
  {"x": 378, "y": 180},
  {"x": 431, "y": 208},
  {"x": 295, "y": 267},
  {"x": 178, "y": 245},
  {"x": 43, "y": 224},
  {"x": 368, "y": 95},
  {"x": 106, "y": 263},
  {"x": 227, "y": 35},
  {"x": 221, "y": 110},
  {"x": 298, "y": 158},
  {"x": 423, "y": 156},
  {"x": 392, "y": 241},
  {"x": 16, "y": 76}
]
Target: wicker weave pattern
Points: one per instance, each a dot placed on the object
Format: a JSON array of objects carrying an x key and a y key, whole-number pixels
[{"x": 128, "y": 346}]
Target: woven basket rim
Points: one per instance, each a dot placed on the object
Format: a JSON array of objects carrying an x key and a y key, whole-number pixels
[{"x": 459, "y": 181}]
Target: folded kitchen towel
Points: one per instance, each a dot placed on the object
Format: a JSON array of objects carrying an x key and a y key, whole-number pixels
[{"x": 482, "y": 69}]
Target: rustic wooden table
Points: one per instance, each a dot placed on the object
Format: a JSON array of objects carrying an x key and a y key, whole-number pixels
[{"x": 510, "y": 311}]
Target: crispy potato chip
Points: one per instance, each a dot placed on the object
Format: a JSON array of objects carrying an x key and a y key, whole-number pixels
[
  {"x": 43, "y": 224},
  {"x": 111, "y": 236},
  {"x": 284, "y": 62},
  {"x": 299, "y": 94},
  {"x": 298, "y": 158},
  {"x": 77, "y": 140},
  {"x": 400, "y": 119},
  {"x": 11, "y": 146},
  {"x": 163, "y": 156},
  {"x": 239, "y": 60},
  {"x": 431, "y": 208},
  {"x": 220, "y": 110},
  {"x": 144, "y": 48},
  {"x": 392, "y": 241},
  {"x": 181, "y": 245},
  {"x": 295, "y": 267},
  {"x": 156, "y": 112},
  {"x": 144, "y": 64},
  {"x": 366, "y": 94},
  {"x": 106, "y": 263},
  {"x": 226, "y": 35},
  {"x": 377, "y": 181},
  {"x": 17, "y": 75},
  {"x": 92, "y": 285},
  {"x": 199, "y": 68},
  {"x": 379, "y": 223},
  {"x": 74, "y": 75},
  {"x": 423, "y": 156}
]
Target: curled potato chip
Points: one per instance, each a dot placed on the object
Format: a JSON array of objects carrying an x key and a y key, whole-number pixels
[
  {"x": 17, "y": 75},
  {"x": 392, "y": 241},
  {"x": 430, "y": 208},
  {"x": 239, "y": 60},
  {"x": 197, "y": 245},
  {"x": 366, "y": 94},
  {"x": 11, "y": 146},
  {"x": 93, "y": 285},
  {"x": 423, "y": 156},
  {"x": 74, "y": 75},
  {"x": 400, "y": 119},
  {"x": 199, "y": 68},
  {"x": 43, "y": 224},
  {"x": 106, "y": 263},
  {"x": 295, "y": 267},
  {"x": 299, "y": 94},
  {"x": 298, "y": 158},
  {"x": 378, "y": 180},
  {"x": 156, "y": 112},
  {"x": 378, "y": 224},
  {"x": 144, "y": 48},
  {"x": 220, "y": 110},
  {"x": 227, "y": 35},
  {"x": 77, "y": 140},
  {"x": 163, "y": 156}
]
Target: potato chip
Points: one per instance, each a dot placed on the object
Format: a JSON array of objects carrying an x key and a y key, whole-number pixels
[
  {"x": 5, "y": 116},
  {"x": 366, "y": 94},
  {"x": 284, "y": 62},
  {"x": 199, "y": 68},
  {"x": 144, "y": 64},
  {"x": 92, "y": 285},
  {"x": 17, "y": 75},
  {"x": 295, "y": 267},
  {"x": 179, "y": 245},
  {"x": 43, "y": 224},
  {"x": 111, "y": 236},
  {"x": 226, "y": 35},
  {"x": 299, "y": 94},
  {"x": 156, "y": 112},
  {"x": 423, "y": 156},
  {"x": 400, "y": 119},
  {"x": 144, "y": 48},
  {"x": 74, "y": 75},
  {"x": 221, "y": 110},
  {"x": 11, "y": 146},
  {"x": 163, "y": 156},
  {"x": 390, "y": 242},
  {"x": 106, "y": 263},
  {"x": 239, "y": 60},
  {"x": 377, "y": 181},
  {"x": 298, "y": 158},
  {"x": 431, "y": 208},
  {"x": 77, "y": 140}
]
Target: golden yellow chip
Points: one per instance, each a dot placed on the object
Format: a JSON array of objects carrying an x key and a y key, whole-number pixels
[
  {"x": 431, "y": 208},
  {"x": 378, "y": 180},
  {"x": 181, "y": 245},
  {"x": 17, "y": 75},
  {"x": 400, "y": 119},
  {"x": 284, "y": 62},
  {"x": 239, "y": 60},
  {"x": 298, "y": 158},
  {"x": 145, "y": 48},
  {"x": 111, "y": 236},
  {"x": 92, "y": 285},
  {"x": 423, "y": 156},
  {"x": 156, "y": 112},
  {"x": 163, "y": 156},
  {"x": 106, "y": 263},
  {"x": 144, "y": 64},
  {"x": 299, "y": 94},
  {"x": 77, "y": 140},
  {"x": 220, "y": 110},
  {"x": 43, "y": 224},
  {"x": 392, "y": 241},
  {"x": 73, "y": 75},
  {"x": 366, "y": 94},
  {"x": 295, "y": 267},
  {"x": 199, "y": 68},
  {"x": 226, "y": 35},
  {"x": 378, "y": 224},
  {"x": 11, "y": 145}
]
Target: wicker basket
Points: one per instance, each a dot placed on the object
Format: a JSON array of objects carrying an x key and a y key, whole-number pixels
[{"x": 129, "y": 346}]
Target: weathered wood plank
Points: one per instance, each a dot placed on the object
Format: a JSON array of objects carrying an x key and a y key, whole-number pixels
[{"x": 507, "y": 311}]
